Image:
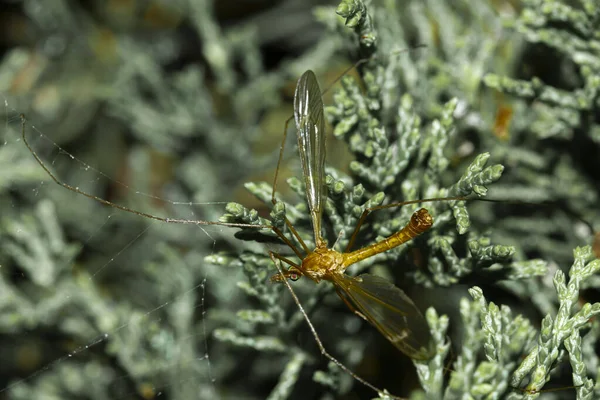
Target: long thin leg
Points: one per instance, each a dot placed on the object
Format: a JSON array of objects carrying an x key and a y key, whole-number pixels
[
  {"x": 143, "y": 214},
  {"x": 281, "y": 148},
  {"x": 286, "y": 260},
  {"x": 349, "y": 304},
  {"x": 359, "y": 62},
  {"x": 297, "y": 236},
  {"x": 124, "y": 208},
  {"x": 350, "y": 68},
  {"x": 273, "y": 199},
  {"x": 318, "y": 339},
  {"x": 369, "y": 210}
]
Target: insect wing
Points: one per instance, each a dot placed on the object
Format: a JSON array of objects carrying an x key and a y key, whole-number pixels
[
  {"x": 308, "y": 113},
  {"x": 391, "y": 311}
]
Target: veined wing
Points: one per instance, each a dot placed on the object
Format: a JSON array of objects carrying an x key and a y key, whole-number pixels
[
  {"x": 391, "y": 311},
  {"x": 308, "y": 113}
]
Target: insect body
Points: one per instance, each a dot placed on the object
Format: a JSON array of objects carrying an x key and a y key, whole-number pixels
[
  {"x": 373, "y": 298},
  {"x": 376, "y": 300}
]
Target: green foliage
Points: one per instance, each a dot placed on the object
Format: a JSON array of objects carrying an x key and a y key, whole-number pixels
[{"x": 169, "y": 104}]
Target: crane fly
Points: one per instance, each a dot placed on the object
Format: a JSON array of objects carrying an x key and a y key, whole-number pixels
[{"x": 373, "y": 298}]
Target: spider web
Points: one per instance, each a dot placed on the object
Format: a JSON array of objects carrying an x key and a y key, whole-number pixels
[{"x": 100, "y": 302}]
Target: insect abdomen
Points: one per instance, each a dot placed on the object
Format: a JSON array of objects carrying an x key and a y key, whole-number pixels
[{"x": 420, "y": 221}]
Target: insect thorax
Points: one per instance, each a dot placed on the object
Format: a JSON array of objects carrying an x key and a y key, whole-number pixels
[{"x": 321, "y": 262}]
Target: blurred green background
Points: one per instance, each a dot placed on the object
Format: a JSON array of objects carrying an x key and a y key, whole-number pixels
[{"x": 169, "y": 107}]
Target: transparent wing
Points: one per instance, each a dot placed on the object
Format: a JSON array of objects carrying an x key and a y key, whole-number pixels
[
  {"x": 308, "y": 112},
  {"x": 391, "y": 311}
]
